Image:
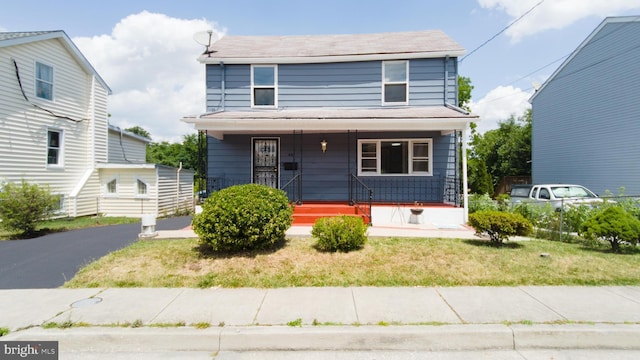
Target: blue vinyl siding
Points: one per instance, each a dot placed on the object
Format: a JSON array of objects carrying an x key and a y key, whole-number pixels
[
  {"x": 325, "y": 176},
  {"x": 585, "y": 122},
  {"x": 351, "y": 84}
]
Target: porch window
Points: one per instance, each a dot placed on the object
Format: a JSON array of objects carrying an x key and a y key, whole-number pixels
[
  {"x": 264, "y": 85},
  {"x": 395, "y": 75},
  {"x": 395, "y": 157},
  {"x": 44, "y": 81},
  {"x": 54, "y": 148}
]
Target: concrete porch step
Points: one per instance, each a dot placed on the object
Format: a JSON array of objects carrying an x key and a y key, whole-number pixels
[{"x": 308, "y": 213}]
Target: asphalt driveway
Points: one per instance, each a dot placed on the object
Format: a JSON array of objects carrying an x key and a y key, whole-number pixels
[{"x": 48, "y": 261}]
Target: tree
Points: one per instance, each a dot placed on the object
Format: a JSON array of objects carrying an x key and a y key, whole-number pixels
[
  {"x": 139, "y": 131},
  {"x": 464, "y": 92},
  {"x": 505, "y": 151},
  {"x": 480, "y": 180}
]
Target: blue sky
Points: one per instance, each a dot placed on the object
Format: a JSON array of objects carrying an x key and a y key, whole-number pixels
[{"x": 145, "y": 50}]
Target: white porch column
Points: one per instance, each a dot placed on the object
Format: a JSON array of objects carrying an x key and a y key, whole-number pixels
[{"x": 465, "y": 184}]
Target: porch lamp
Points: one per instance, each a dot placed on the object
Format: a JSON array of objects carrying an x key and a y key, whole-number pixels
[{"x": 323, "y": 144}]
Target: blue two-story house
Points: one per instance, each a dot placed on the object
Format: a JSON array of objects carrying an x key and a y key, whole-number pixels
[{"x": 368, "y": 119}]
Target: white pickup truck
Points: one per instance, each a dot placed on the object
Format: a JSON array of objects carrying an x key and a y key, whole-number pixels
[{"x": 556, "y": 195}]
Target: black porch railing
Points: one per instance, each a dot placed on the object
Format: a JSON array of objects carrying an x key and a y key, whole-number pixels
[
  {"x": 366, "y": 190},
  {"x": 293, "y": 189},
  {"x": 361, "y": 196},
  {"x": 414, "y": 189}
]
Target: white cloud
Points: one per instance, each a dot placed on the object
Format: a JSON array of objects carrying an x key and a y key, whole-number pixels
[
  {"x": 149, "y": 61},
  {"x": 498, "y": 105},
  {"x": 555, "y": 14}
]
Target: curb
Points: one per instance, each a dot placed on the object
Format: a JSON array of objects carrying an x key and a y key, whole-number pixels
[{"x": 273, "y": 338}]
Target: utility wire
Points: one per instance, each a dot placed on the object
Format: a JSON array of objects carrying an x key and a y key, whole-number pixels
[
  {"x": 585, "y": 67},
  {"x": 501, "y": 31},
  {"x": 15, "y": 64}
]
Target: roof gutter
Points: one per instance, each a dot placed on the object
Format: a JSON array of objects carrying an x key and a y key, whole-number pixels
[{"x": 327, "y": 58}]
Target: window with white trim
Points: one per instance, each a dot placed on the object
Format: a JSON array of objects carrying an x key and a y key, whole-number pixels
[
  {"x": 395, "y": 82},
  {"x": 141, "y": 188},
  {"x": 395, "y": 157},
  {"x": 264, "y": 85},
  {"x": 54, "y": 147},
  {"x": 112, "y": 187},
  {"x": 44, "y": 81}
]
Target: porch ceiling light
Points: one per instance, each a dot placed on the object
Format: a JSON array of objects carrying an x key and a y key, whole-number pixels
[{"x": 323, "y": 144}]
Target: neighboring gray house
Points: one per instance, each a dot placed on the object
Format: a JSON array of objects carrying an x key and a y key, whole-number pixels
[
  {"x": 586, "y": 122},
  {"x": 329, "y": 117}
]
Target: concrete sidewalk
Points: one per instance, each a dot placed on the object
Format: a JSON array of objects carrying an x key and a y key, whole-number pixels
[
  {"x": 405, "y": 230},
  {"x": 325, "y": 318}
]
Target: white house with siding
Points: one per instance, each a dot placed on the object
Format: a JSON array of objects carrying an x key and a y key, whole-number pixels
[{"x": 54, "y": 131}]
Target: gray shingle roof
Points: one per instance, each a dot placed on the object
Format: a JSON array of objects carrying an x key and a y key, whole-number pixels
[
  {"x": 21, "y": 34},
  {"x": 314, "y": 46}
]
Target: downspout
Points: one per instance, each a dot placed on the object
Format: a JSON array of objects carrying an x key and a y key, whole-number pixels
[
  {"x": 222, "y": 85},
  {"x": 465, "y": 195},
  {"x": 446, "y": 78},
  {"x": 178, "y": 187}
]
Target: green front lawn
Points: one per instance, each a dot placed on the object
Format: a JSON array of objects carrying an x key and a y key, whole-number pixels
[{"x": 382, "y": 262}]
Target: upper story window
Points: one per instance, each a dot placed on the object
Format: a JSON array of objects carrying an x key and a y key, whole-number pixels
[
  {"x": 264, "y": 85},
  {"x": 54, "y": 147},
  {"x": 395, "y": 157},
  {"x": 44, "y": 81},
  {"x": 395, "y": 81}
]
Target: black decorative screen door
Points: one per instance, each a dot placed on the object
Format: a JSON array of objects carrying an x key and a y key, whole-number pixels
[{"x": 265, "y": 162}]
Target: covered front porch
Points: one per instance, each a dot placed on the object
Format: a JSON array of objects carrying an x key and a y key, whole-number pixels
[{"x": 363, "y": 157}]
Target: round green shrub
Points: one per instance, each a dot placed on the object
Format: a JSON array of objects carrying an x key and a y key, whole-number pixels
[
  {"x": 243, "y": 217},
  {"x": 340, "y": 233},
  {"x": 613, "y": 224},
  {"x": 25, "y": 205},
  {"x": 500, "y": 225}
]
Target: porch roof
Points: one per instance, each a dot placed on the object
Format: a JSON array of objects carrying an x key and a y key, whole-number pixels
[{"x": 431, "y": 118}]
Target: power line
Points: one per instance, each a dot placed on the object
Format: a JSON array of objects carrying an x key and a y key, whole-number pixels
[{"x": 501, "y": 31}]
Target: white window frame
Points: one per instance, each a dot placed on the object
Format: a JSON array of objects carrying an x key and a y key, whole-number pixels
[
  {"x": 410, "y": 157},
  {"x": 38, "y": 80},
  {"x": 137, "y": 188},
  {"x": 107, "y": 193},
  {"x": 274, "y": 86},
  {"x": 405, "y": 83},
  {"x": 60, "y": 148}
]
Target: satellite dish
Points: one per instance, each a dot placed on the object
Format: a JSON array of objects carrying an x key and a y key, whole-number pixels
[{"x": 205, "y": 38}]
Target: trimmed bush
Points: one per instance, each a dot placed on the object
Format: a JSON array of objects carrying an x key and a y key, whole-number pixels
[
  {"x": 500, "y": 225},
  {"x": 340, "y": 233},
  {"x": 612, "y": 224},
  {"x": 24, "y": 205},
  {"x": 243, "y": 217}
]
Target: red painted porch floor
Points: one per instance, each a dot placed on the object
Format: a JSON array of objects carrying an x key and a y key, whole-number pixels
[{"x": 309, "y": 212}]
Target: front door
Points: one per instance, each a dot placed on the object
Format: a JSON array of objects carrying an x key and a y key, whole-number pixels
[{"x": 265, "y": 162}]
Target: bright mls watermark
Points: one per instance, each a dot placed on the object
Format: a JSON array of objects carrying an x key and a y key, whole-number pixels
[{"x": 10, "y": 350}]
